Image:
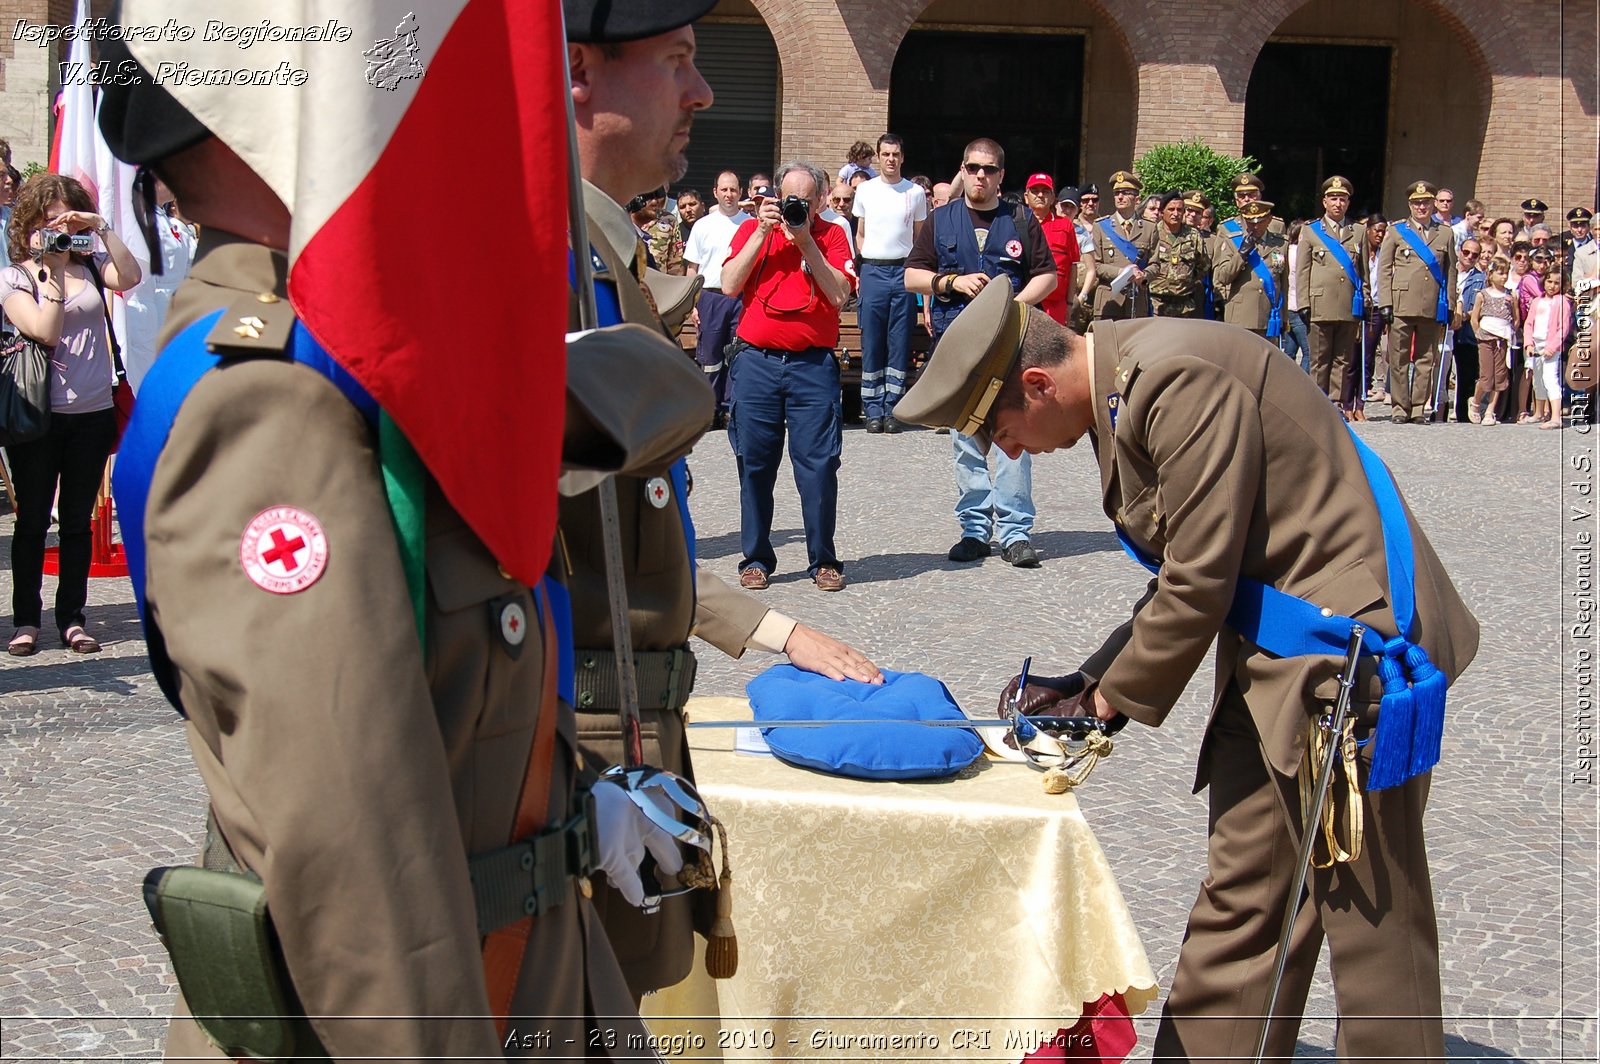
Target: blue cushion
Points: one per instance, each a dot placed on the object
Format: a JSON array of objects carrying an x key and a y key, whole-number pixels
[{"x": 863, "y": 751}]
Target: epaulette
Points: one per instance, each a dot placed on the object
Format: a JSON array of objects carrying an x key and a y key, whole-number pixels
[{"x": 253, "y": 327}]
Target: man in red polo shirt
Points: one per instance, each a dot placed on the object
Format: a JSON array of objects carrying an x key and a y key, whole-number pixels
[
  {"x": 1062, "y": 236},
  {"x": 792, "y": 270}
]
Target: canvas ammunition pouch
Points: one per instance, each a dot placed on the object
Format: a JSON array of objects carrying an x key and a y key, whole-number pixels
[
  {"x": 665, "y": 679},
  {"x": 213, "y": 921}
]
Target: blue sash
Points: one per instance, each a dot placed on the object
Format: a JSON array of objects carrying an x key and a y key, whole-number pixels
[
  {"x": 1232, "y": 227},
  {"x": 1411, "y": 715},
  {"x": 1253, "y": 257},
  {"x": 1122, "y": 243},
  {"x": 1431, "y": 261},
  {"x": 1342, "y": 257}
]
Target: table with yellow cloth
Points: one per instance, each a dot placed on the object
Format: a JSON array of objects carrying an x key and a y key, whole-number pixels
[{"x": 876, "y": 916}]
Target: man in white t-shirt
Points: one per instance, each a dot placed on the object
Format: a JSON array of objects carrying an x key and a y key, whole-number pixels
[
  {"x": 716, "y": 316},
  {"x": 890, "y": 210}
]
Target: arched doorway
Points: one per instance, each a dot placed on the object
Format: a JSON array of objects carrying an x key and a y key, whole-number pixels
[
  {"x": 739, "y": 60},
  {"x": 1343, "y": 84}
]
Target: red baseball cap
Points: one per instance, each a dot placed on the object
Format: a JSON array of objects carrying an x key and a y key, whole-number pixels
[{"x": 1041, "y": 179}]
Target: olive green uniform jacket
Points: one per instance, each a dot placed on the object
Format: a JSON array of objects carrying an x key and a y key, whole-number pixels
[
  {"x": 351, "y": 770},
  {"x": 1240, "y": 292}
]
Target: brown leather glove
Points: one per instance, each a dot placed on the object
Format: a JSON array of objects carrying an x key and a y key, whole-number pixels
[{"x": 1057, "y": 696}]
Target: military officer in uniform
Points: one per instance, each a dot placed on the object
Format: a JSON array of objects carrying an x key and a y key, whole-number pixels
[
  {"x": 1416, "y": 295},
  {"x": 1248, "y": 188},
  {"x": 635, "y": 88},
  {"x": 1270, "y": 487},
  {"x": 1122, "y": 239},
  {"x": 666, "y": 245},
  {"x": 1329, "y": 286},
  {"x": 1180, "y": 266},
  {"x": 365, "y": 783},
  {"x": 1252, "y": 273},
  {"x": 1533, "y": 212}
]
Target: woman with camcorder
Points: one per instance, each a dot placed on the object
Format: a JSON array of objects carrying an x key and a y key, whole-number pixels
[{"x": 53, "y": 294}]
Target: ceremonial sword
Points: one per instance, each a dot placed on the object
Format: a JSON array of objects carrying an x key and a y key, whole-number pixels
[
  {"x": 1075, "y": 725},
  {"x": 1308, "y": 831}
]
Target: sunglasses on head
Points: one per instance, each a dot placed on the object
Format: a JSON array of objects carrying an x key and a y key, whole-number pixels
[{"x": 980, "y": 168}]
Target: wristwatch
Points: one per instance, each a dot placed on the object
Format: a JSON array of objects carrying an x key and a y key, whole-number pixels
[{"x": 102, "y": 228}]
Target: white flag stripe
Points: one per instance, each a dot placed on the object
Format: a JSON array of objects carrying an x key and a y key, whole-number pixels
[
  {"x": 86, "y": 158},
  {"x": 312, "y": 143}
]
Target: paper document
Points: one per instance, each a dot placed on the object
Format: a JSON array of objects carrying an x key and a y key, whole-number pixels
[
  {"x": 751, "y": 741},
  {"x": 1122, "y": 280}
]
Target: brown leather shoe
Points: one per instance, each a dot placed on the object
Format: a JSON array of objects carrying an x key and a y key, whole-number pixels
[
  {"x": 828, "y": 578},
  {"x": 753, "y": 578}
]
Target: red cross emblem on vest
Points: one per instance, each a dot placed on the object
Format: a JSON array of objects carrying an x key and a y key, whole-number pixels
[{"x": 284, "y": 550}]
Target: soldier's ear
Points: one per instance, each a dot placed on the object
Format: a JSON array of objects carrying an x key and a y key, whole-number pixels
[{"x": 580, "y": 58}]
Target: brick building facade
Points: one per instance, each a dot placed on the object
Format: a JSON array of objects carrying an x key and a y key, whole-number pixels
[
  {"x": 1497, "y": 99},
  {"x": 1494, "y": 98}
]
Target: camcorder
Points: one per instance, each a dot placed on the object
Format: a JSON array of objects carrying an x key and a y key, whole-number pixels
[
  {"x": 796, "y": 211},
  {"x": 61, "y": 240}
]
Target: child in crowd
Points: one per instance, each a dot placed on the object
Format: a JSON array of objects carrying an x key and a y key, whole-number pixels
[
  {"x": 1494, "y": 318},
  {"x": 1545, "y": 332}
]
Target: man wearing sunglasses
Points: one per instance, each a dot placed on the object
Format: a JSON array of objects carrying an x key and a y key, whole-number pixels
[{"x": 973, "y": 241}]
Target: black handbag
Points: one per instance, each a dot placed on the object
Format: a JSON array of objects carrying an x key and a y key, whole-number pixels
[{"x": 24, "y": 388}]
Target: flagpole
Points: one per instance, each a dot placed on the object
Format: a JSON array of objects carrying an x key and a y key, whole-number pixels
[{"x": 610, "y": 519}]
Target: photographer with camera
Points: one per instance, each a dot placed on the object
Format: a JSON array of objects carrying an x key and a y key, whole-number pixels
[
  {"x": 792, "y": 270},
  {"x": 53, "y": 293}
]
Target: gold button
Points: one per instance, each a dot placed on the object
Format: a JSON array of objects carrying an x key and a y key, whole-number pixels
[
  {"x": 266, "y": 297},
  {"x": 1326, "y": 612}
]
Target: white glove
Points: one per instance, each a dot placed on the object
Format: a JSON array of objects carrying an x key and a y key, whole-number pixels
[{"x": 622, "y": 836}]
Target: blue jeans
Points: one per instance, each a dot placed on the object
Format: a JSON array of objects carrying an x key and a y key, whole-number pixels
[
  {"x": 769, "y": 391},
  {"x": 1294, "y": 340},
  {"x": 885, "y": 311},
  {"x": 1005, "y": 502}
]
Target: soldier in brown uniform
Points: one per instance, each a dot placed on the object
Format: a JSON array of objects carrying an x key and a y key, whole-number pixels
[
  {"x": 1252, "y": 273},
  {"x": 1329, "y": 284},
  {"x": 1416, "y": 295},
  {"x": 1270, "y": 487},
  {"x": 364, "y": 782},
  {"x": 1115, "y": 236},
  {"x": 1248, "y": 188},
  {"x": 1180, "y": 265},
  {"x": 635, "y": 87}
]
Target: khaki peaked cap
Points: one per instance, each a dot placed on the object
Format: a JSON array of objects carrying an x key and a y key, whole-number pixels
[{"x": 972, "y": 360}]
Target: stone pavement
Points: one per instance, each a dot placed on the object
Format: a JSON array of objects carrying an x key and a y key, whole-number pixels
[{"x": 98, "y": 785}]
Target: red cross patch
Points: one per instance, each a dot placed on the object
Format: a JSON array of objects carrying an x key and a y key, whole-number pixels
[
  {"x": 283, "y": 550},
  {"x": 658, "y": 491},
  {"x": 1014, "y": 248}
]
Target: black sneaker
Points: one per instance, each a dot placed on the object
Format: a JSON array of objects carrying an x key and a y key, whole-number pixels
[
  {"x": 891, "y": 426},
  {"x": 970, "y": 549},
  {"x": 875, "y": 424},
  {"x": 1021, "y": 554}
]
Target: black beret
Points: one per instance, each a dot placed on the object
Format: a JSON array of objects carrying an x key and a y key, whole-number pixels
[
  {"x": 616, "y": 21},
  {"x": 141, "y": 121}
]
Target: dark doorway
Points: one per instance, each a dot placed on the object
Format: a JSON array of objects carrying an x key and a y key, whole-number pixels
[
  {"x": 739, "y": 132},
  {"x": 1314, "y": 110},
  {"x": 1023, "y": 90}
]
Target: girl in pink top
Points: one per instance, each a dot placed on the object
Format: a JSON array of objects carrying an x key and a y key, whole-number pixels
[{"x": 1545, "y": 330}]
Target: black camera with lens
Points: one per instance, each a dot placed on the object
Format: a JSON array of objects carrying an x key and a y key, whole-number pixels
[{"x": 796, "y": 211}]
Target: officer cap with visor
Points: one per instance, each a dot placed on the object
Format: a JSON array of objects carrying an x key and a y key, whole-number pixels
[{"x": 977, "y": 353}]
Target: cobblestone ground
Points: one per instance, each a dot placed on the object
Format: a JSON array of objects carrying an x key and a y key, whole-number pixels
[{"x": 98, "y": 786}]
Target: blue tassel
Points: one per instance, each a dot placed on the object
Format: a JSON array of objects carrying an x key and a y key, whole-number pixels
[
  {"x": 1428, "y": 687},
  {"x": 1391, "y": 750}
]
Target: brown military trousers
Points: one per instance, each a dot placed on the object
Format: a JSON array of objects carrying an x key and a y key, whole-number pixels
[
  {"x": 1411, "y": 373},
  {"x": 1377, "y": 914},
  {"x": 1332, "y": 343}
]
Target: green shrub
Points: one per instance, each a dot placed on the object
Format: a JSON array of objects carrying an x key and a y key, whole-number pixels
[{"x": 1193, "y": 164}]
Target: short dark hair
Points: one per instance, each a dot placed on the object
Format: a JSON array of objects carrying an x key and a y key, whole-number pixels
[
  {"x": 682, "y": 192},
  {"x": 1045, "y": 345},
  {"x": 988, "y": 147},
  {"x": 891, "y": 138}
]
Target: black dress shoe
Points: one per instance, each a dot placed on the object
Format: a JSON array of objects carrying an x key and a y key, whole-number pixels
[
  {"x": 891, "y": 426},
  {"x": 874, "y": 424},
  {"x": 1399, "y": 418},
  {"x": 1419, "y": 419},
  {"x": 970, "y": 549},
  {"x": 1021, "y": 554}
]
